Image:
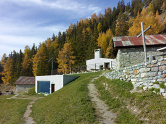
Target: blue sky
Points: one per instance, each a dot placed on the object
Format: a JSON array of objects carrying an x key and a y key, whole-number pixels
[{"x": 24, "y": 22}]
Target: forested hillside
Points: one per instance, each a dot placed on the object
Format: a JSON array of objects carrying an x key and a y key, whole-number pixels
[{"x": 75, "y": 45}]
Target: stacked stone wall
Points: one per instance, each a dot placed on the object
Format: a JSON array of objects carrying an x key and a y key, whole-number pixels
[
  {"x": 142, "y": 75},
  {"x": 132, "y": 56}
]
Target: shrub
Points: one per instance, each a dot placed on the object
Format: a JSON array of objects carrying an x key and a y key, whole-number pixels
[
  {"x": 157, "y": 90},
  {"x": 151, "y": 89},
  {"x": 156, "y": 82},
  {"x": 31, "y": 91},
  {"x": 162, "y": 85}
]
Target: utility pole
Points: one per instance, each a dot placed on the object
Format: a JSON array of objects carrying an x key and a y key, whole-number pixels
[
  {"x": 52, "y": 63},
  {"x": 143, "y": 38}
]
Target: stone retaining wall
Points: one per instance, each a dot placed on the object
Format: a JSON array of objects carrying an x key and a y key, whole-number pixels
[
  {"x": 132, "y": 56},
  {"x": 143, "y": 76}
]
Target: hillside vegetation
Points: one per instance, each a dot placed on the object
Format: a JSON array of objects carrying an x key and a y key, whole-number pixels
[
  {"x": 74, "y": 46},
  {"x": 132, "y": 108},
  {"x": 71, "y": 104},
  {"x": 12, "y": 110}
]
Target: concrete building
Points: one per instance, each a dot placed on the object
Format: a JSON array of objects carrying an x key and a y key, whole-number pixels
[
  {"x": 99, "y": 63},
  {"x": 130, "y": 49},
  {"x": 24, "y": 83},
  {"x": 49, "y": 84}
]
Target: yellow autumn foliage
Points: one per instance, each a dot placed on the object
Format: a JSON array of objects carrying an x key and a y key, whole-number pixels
[
  {"x": 65, "y": 59},
  {"x": 104, "y": 40},
  {"x": 149, "y": 19}
]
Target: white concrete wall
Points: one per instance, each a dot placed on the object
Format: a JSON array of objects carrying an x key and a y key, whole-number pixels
[
  {"x": 98, "y": 62},
  {"x": 54, "y": 79},
  {"x": 98, "y": 53},
  {"x": 58, "y": 80}
]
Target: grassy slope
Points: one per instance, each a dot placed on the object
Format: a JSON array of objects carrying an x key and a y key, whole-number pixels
[
  {"x": 12, "y": 110},
  {"x": 118, "y": 97},
  {"x": 71, "y": 104}
]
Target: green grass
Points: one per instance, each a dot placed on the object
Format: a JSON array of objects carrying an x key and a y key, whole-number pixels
[
  {"x": 156, "y": 82},
  {"x": 72, "y": 105},
  {"x": 118, "y": 97},
  {"x": 162, "y": 85},
  {"x": 31, "y": 92},
  {"x": 69, "y": 105},
  {"x": 120, "y": 91},
  {"x": 12, "y": 110}
]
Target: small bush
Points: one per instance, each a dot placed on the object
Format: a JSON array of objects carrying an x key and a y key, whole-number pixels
[
  {"x": 157, "y": 90},
  {"x": 151, "y": 89},
  {"x": 31, "y": 91},
  {"x": 162, "y": 85},
  {"x": 156, "y": 82},
  {"x": 125, "y": 117}
]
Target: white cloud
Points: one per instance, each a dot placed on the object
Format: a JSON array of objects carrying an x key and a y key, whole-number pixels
[
  {"x": 8, "y": 43},
  {"x": 27, "y": 24},
  {"x": 70, "y": 5},
  {"x": 18, "y": 37}
]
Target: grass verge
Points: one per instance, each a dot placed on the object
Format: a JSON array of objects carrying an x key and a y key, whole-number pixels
[
  {"x": 12, "y": 110},
  {"x": 132, "y": 108},
  {"x": 71, "y": 104},
  {"x": 31, "y": 93}
]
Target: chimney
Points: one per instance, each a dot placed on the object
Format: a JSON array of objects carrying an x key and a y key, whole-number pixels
[{"x": 97, "y": 53}]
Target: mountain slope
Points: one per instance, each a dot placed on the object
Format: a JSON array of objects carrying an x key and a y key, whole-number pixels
[{"x": 70, "y": 104}]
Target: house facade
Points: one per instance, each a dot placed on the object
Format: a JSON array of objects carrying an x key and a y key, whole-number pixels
[
  {"x": 23, "y": 83},
  {"x": 99, "y": 63},
  {"x": 130, "y": 49},
  {"x": 51, "y": 83}
]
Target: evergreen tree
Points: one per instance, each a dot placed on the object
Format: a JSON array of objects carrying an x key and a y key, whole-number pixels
[
  {"x": 122, "y": 25},
  {"x": 53, "y": 37}
]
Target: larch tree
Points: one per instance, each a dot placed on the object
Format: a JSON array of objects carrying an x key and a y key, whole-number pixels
[
  {"x": 65, "y": 59},
  {"x": 40, "y": 61},
  {"x": 3, "y": 60},
  {"x": 163, "y": 8},
  {"x": 94, "y": 18},
  {"x": 7, "y": 72},
  {"x": 149, "y": 19},
  {"x": 99, "y": 27},
  {"x": 104, "y": 40},
  {"x": 26, "y": 62}
]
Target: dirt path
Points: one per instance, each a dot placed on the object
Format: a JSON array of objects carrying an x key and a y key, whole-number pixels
[
  {"x": 26, "y": 116},
  {"x": 105, "y": 116}
]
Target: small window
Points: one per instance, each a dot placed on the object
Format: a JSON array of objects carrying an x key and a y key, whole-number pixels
[
  {"x": 107, "y": 65},
  {"x": 154, "y": 58},
  {"x": 101, "y": 67}
]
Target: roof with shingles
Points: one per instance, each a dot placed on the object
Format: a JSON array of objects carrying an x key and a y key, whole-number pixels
[
  {"x": 24, "y": 80},
  {"x": 150, "y": 40}
]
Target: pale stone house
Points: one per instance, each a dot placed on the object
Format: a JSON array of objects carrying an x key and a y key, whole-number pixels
[
  {"x": 23, "y": 83},
  {"x": 99, "y": 63},
  {"x": 130, "y": 49}
]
